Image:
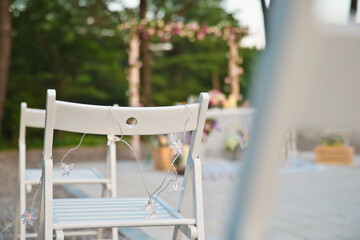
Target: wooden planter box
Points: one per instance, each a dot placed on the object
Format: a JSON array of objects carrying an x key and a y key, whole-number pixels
[
  {"x": 334, "y": 155},
  {"x": 160, "y": 156}
]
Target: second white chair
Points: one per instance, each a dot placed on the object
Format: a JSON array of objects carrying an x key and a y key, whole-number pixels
[{"x": 35, "y": 118}]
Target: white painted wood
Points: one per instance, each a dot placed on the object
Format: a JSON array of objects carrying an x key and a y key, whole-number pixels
[
  {"x": 107, "y": 172},
  {"x": 115, "y": 233},
  {"x": 113, "y": 177},
  {"x": 190, "y": 231},
  {"x": 197, "y": 135},
  {"x": 21, "y": 188},
  {"x": 59, "y": 235},
  {"x": 48, "y": 198},
  {"x": 127, "y": 212},
  {"x": 120, "y": 212},
  {"x": 184, "y": 196},
  {"x": 80, "y": 233},
  {"x": 22, "y": 122},
  {"x": 30, "y": 117},
  {"x": 112, "y": 164},
  {"x": 78, "y": 176},
  {"x": 94, "y": 119},
  {"x": 49, "y": 124},
  {"x": 46, "y": 213},
  {"x": 67, "y": 233},
  {"x": 198, "y": 199},
  {"x": 35, "y": 118},
  {"x": 20, "y": 207}
]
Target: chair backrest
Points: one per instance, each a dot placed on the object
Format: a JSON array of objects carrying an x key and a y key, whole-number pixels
[
  {"x": 30, "y": 117},
  {"x": 94, "y": 119}
]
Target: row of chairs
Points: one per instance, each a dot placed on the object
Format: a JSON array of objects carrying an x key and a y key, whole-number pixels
[{"x": 66, "y": 216}]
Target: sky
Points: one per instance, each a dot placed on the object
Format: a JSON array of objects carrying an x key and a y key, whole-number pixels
[{"x": 249, "y": 14}]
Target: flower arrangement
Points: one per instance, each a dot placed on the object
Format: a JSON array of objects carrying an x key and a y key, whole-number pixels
[
  {"x": 193, "y": 30},
  {"x": 238, "y": 140},
  {"x": 210, "y": 125},
  {"x": 217, "y": 98}
]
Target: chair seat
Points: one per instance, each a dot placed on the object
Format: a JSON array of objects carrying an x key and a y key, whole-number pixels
[
  {"x": 89, "y": 176},
  {"x": 76, "y": 213}
]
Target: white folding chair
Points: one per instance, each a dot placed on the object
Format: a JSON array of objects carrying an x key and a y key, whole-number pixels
[
  {"x": 35, "y": 118},
  {"x": 57, "y": 215}
]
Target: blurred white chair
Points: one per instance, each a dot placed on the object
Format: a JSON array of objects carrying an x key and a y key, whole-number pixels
[
  {"x": 308, "y": 76},
  {"x": 35, "y": 118},
  {"x": 58, "y": 215}
]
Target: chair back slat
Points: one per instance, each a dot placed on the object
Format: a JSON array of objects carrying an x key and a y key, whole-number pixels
[
  {"x": 30, "y": 117},
  {"x": 93, "y": 119},
  {"x": 35, "y": 118}
]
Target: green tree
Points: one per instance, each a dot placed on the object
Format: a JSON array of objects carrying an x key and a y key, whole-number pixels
[
  {"x": 71, "y": 46},
  {"x": 75, "y": 48}
]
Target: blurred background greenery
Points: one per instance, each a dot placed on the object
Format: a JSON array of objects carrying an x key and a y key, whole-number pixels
[{"x": 76, "y": 48}]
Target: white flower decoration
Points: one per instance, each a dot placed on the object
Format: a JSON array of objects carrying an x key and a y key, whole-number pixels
[
  {"x": 28, "y": 217},
  {"x": 176, "y": 145},
  {"x": 153, "y": 215},
  {"x": 66, "y": 169},
  {"x": 176, "y": 187},
  {"x": 112, "y": 138}
]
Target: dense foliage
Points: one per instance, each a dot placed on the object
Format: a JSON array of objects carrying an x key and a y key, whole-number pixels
[{"x": 76, "y": 48}]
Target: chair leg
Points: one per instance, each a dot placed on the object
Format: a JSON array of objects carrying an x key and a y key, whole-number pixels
[
  {"x": 104, "y": 193},
  {"x": 99, "y": 233},
  {"x": 184, "y": 199},
  {"x": 59, "y": 235},
  {"x": 177, "y": 235},
  {"x": 17, "y": 224},
  {"x": 115, "y": 235},
  {"x": 46, "y": 215},
  {"x": 41, "y": 231},
  {"x": 22, "y": 206},
  {"x": 198, "y": 194}
]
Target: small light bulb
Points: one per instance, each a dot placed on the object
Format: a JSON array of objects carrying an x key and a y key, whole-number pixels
[
  {"x": 149, "y": 205},
  {"x": 112, "y": 138},
  {"x": 153, "y": 215}
]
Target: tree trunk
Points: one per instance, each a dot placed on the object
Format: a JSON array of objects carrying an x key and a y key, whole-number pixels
[
  {"x": 134, "y": 82},
  {"x": 134, "y": 73},
  {"x": 5, "y": 46},
  {"x": 215, "y": 80},
  {"x": 145, "y": 60},
  {"x": 146, "y": 72},
  {"x": 353, "y": 9}
]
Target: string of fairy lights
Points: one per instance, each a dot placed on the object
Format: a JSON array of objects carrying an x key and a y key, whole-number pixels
[{"x": 176, "y": 145}]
